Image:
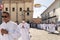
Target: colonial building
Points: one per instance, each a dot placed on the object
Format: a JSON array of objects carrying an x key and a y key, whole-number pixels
[
  {"x": 19, "y": 9},
  {"x": 50, "y": 14}
]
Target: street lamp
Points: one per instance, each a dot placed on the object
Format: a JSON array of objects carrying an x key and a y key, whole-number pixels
[{"x": 39, "y": 5}]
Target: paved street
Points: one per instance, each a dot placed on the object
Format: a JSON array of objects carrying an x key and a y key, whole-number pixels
[{"x": 42, "y": 35}]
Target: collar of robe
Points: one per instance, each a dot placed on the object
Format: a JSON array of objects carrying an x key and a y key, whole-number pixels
[{"x": 7, "y": 22}]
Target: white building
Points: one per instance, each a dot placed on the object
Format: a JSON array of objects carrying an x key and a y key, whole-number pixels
[{"x": 50, "y": 15}]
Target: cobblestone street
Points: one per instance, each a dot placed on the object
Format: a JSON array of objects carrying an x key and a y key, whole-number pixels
[{"x": 42, "y": 35}]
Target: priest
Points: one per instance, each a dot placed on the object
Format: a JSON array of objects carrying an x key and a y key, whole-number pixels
[{"x": 8, "y": 28}]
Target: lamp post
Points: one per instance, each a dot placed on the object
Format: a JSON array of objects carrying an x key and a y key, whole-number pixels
[{"x": 17, "y": 11}]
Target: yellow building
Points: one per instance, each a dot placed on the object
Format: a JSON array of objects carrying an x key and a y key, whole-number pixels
[{"x": 19, "y": 9}]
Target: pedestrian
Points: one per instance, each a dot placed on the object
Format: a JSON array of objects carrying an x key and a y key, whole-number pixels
[
  {"x": 38, "y": 26},
  {"x": 44, "y": 25},
  {"x": 24, "y": 31},
  {"x": 41, "y": 26},
  {"x": 47, "y": 26},
  {"x": 52, "y": 27},
  {"x": 7, "y": 28}
]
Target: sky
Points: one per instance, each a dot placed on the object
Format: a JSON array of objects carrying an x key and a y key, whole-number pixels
[{"x": 44, "y": 5}]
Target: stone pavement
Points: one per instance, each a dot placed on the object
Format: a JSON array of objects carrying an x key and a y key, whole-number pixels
[{"x": 42, "y": 35}]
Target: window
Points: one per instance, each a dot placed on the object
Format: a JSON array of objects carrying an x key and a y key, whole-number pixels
[
  {"x": 27, "y": 9},
  {"x": 6, "y": 9},
  {"x": 13, "y": 9},
  {"x": 28, "y": 14},
  {"x": 20, "y": 9}
]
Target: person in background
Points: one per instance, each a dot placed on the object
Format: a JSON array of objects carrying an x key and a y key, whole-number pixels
[
  {"x": 51, "y": 27},
  {"x": 24, "y": 31}
]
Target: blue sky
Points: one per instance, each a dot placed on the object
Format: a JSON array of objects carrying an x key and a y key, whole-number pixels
[{"x": 44, "y": 5}]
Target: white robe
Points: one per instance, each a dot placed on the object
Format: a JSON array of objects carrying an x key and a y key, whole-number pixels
[
  {"x": 41, "y": 26},
  {"x": 47, "y": 27},
  {"x": 10, "y": 27},
  {"x": 52, "y": 27},
  {"x": 38, "y": 26},
  {"x": 24, "y": 31},
  {"x": 44, "y": 25}
]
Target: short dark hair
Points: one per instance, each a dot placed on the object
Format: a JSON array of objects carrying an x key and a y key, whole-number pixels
[{"x": 6, "y": 13}]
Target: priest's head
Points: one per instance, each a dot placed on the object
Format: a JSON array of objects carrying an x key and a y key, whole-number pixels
[
  {"x": 5, "y": 16},
  {"x": 23, "y": 21}
]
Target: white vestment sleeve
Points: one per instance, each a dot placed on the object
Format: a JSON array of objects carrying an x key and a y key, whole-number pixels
[
  {"x": 28, "y": 27},
  {"x": 18, "y": 32},
  {"x": 15, "y": 32}
]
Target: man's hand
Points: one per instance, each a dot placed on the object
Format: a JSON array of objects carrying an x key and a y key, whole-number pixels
[{"x": 4, "y": 31}]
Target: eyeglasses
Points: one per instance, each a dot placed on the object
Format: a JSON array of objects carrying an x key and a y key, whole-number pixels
[{"x": 4, "y": 16}]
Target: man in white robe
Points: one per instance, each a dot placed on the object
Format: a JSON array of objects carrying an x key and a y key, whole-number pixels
[
  {"x": 41, "y": 26},
  {"x": 44, "y": 26},
  {"x": 48, "y": 27},
  {"x": 24, "y": 31},
  {"x": 52, "y": 27},
  {"x": 7, "y": 28},
  {"x": 38, "y": 26}
]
